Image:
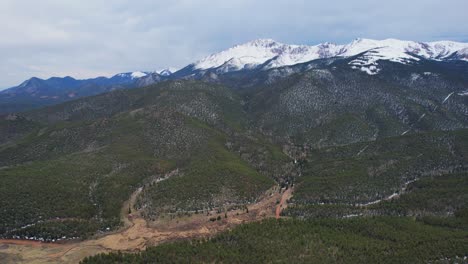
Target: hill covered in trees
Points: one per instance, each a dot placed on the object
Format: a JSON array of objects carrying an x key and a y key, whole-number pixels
[{"x": 387, "y": 150}]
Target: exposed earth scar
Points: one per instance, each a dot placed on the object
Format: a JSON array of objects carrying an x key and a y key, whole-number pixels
[{"x": 137, "y": 233}]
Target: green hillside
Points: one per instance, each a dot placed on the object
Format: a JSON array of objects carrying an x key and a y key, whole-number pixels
[
  {"x": 373, "y": 240},
  {"x": 388, "y": 151},
  {"x": 71, "y": 174}
]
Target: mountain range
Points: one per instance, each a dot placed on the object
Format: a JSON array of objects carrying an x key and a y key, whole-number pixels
[
  {"x": 253, "y": 56},
  {"x": 271, "y": 54},
  {"x": 360, "y": 151}
]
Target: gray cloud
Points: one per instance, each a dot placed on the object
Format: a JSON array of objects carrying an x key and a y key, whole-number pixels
[{"x": 88, "y": 38}]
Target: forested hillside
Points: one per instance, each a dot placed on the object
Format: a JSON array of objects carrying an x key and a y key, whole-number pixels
[
  {"x": 387, "y": 150},
  {"x": 69, "y": 176}
]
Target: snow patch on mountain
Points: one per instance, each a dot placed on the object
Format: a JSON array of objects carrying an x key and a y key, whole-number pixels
[
  {"x": 448, "y": 96},
  {"x": 367, "y": 63},
  {"x": 138, "y": 74},
  {"x": 166, "y": 71},
  {"x": 462, "y": 54},
  {"x": 132, "y": 75},
  {"x": 25, "y": 83}
]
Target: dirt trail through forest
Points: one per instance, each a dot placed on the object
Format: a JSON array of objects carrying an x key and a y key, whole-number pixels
[
  {"x": 283, "y": 203},
  {"x": 137, "y": 233}
]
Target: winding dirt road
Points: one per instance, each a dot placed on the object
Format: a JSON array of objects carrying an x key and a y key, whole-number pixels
[{"x": 137, "y": 233}]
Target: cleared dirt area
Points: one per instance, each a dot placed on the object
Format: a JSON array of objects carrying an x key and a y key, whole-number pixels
[
  {"x": 283, "y": 202},
  {"x": 137, "y": 233}
]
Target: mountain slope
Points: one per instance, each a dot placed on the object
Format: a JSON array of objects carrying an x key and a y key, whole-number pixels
[
  {"x": 70, "y": 172},
  {"x": 344, "y": 140},
  {"x": 334, "y": 105},
  {"x": 358, "y": 240}
]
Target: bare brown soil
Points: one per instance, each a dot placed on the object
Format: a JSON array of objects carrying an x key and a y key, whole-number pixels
[
  {"x": 137, "y": 233},
  {"x": 283, "y": 203}
]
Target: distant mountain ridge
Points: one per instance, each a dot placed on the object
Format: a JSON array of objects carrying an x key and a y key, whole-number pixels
[
  {"x": 30, "y": 85},
  {"x": 36, "y": 92},
  {"x": 268, "y": 54},
  {"x": 253, "y": 56}
]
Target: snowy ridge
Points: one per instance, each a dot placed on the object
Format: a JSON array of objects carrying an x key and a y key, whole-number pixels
[
  {"x": 167, "y": 71},
  {"x": 138, "y": 74},
  {"x": 254, "y": 52},
  {"x": 258, "y": 52}
]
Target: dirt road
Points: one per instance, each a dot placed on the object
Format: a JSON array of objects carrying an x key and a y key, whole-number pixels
[{"x": 138, "y": 233}]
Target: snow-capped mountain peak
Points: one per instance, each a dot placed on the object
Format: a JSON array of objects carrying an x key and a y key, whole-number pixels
[
  {"x": 258, "y": 52},
  {"x": 261, "y": 43},
  {"x": 254, "y": 52}
]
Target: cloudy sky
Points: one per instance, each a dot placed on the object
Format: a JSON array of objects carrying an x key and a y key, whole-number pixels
[{"x": 88, "y": 38}]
